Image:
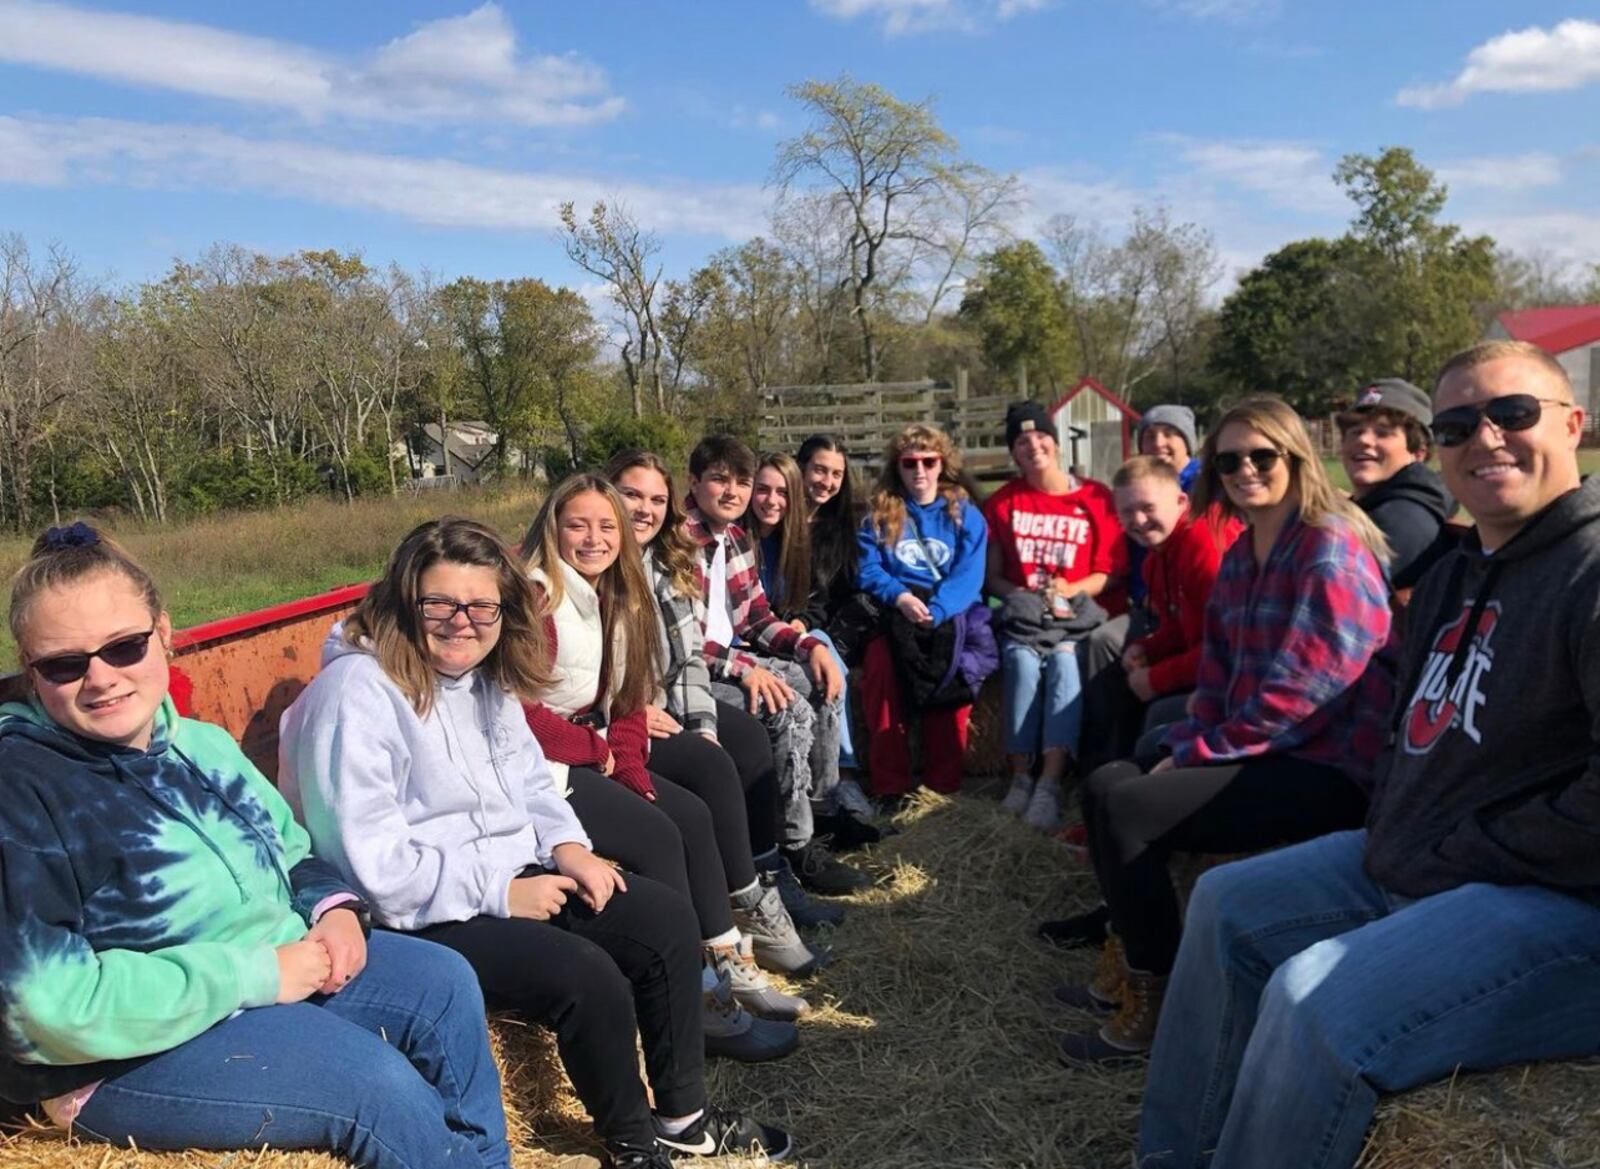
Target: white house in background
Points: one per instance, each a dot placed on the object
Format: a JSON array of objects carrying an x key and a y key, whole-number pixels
[
  {"x": 471, "y": 446},
  {"x": 1569, "y": 333}
]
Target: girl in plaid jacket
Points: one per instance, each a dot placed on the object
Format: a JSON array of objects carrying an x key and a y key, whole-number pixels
[{"x": 1286, "y": 721}]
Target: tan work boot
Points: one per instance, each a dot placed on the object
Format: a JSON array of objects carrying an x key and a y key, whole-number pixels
[
  {"x": 1130, "y": 1032},
  {"x": 1103, "y": 991}
]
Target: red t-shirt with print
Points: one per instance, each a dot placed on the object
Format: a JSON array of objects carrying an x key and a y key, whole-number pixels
[{"x": 1069, "y": 536}]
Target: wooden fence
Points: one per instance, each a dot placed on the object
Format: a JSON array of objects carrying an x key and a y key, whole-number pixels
[{"x": 864, "y": 417}]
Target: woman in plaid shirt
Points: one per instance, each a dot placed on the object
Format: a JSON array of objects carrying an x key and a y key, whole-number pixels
[{"x": 1286, "y": 721}]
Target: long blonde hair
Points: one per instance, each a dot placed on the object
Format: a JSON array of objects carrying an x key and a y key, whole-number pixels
[
  {"x": 888, "y": 508},
  {"x": 794, "y": 537},
  {"x": 625, "y": 597},
  {"x": 671, "y": 545},
  {"x": 1275, "y": 420},
  {"x": 389, "y": 617}
]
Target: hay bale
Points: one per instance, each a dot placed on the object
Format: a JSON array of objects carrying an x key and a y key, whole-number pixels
[{"x": 932, "y": 1043}]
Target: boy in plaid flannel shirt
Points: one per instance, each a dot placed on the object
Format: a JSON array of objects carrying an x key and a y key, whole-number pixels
[{"x": 785, "y": 677}]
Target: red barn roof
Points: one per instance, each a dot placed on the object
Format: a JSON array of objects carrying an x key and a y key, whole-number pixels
[
  {"x": 1089, "y": 383},
  {"x": 1555, "y": 330}
]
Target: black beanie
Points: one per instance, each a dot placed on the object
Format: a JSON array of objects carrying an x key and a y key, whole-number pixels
[{"x": 1022, "y": 417}]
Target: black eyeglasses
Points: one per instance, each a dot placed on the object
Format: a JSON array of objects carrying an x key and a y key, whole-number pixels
[
  {"x": 444, "y": 609},
  {"x": 60, "y": 669},
  {"x": 1454, "y": 426},
  {"x": 1263, "y": 459}
]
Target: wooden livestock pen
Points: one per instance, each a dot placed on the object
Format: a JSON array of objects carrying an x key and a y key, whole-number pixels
[{"x": 1094, "y": 425}]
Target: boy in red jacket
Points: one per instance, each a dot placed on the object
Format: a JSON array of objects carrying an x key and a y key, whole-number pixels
[{"x": 1179, "y": 570}]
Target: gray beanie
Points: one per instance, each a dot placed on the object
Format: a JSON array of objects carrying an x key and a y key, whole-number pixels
[{"x": 1180, "y": 418}]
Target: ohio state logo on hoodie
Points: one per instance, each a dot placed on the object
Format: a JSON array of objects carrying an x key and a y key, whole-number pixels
[{"x": 1438, "y": 704}]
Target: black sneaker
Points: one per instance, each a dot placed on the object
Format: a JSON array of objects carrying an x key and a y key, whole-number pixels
[
  {"x": 626, "y": 1156},
  {"x": 719, "y": 1133},
  {"x": 806, "y": 913},
  {"x": 1077, "y": 933},
  {"x": 844, "y": 831},
  {"x": 819, "y": 873}
]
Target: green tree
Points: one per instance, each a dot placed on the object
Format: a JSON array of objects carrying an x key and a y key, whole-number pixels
[
  {"x": 1283, "y": 330},
  {"x": 1395, "y": 296},
  {"x": 1419, "y": 285},
  {"x": 528, "y": 352},
  {"x": 1015, "y": 306}
]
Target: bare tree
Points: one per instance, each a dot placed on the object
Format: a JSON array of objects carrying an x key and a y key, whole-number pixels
[
  {"x": 614, "y": 248},
  {"x": 44, "y": 362}
]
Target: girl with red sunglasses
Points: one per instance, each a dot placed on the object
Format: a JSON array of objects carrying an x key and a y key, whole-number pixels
[{"x": 922, "y": 556}]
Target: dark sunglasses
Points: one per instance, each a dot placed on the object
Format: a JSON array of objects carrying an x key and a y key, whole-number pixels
[
  {"x": 1454, "y": 426},
  {"x": 1263, "y": 459},
  {"x": 444, "y": 609},
  {"x": 912, "y": 462},
  {"x": 60, "y": 669}
]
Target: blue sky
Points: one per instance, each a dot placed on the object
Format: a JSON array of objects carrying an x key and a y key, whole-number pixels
[{"x": 443, "y": 135}]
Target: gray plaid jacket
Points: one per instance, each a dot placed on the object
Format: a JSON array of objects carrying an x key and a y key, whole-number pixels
[{"x": 686, "y": 680}]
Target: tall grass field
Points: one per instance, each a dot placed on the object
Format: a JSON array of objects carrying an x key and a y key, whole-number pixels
[{"x": 230, "y": 564}]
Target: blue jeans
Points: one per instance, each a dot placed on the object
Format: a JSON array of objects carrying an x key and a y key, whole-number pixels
[
  {"x": 1303, "y": 989},
  {"x": 847, "y": 746},
  {"x": 393, "y": 1072},
  {"x": 1043, "y": 698}
]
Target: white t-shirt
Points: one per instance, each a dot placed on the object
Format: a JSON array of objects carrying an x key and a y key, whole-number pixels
[{"x": 719, "y": 625}]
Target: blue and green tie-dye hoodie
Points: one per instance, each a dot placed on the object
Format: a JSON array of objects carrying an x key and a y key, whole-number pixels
[{"x": 142, "y": 894}]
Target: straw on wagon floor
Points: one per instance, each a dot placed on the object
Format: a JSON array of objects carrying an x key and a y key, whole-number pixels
[{"x": 934, "y": 1044}]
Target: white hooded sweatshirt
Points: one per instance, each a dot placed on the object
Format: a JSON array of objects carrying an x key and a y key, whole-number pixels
[{"x": 430, "y": 818}]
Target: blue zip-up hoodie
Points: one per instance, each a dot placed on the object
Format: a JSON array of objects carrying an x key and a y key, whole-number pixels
[
  {"x": 957, "y": 547},
  {"x": 142, "y": 895}
]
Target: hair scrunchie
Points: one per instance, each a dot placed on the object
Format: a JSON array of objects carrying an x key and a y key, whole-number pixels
[{"x": 76, "y": 535}]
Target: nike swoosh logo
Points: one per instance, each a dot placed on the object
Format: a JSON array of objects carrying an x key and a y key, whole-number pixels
[{"x": 705, "y": 1148}]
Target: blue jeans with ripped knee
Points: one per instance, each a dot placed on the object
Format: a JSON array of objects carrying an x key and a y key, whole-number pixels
[{"x": 1303, "y": 990}]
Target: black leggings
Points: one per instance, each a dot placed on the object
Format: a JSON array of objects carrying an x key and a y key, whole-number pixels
[
  {"x": 670, "y": 840},
  {"x": 696, "y": 764},
  {"x": 1136, "y": 821},
  {"x": 587, "y": 976},
  {"x": 745, "y": 740}
]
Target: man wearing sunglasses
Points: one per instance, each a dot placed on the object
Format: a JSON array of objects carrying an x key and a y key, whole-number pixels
[{"x": 1461, "y": 928}]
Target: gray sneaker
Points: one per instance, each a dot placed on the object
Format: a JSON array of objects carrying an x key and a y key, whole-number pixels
[
  {"x": 760, "y": 913},
  {"x": 734, "y": 1033},
  {"x": 750, "y": 986}
]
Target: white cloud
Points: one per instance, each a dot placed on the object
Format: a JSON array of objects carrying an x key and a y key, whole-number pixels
[
  {"x": 1573, "y": 236},
  {"x": 1233, "y": 11},
  {"x": 1048, "y": 191},
  {"x": 906, "y": 17},
  {"x": 457, "y": 69},
  {"x": 1522, "y": 172},
  {"x": 1527, "y": 61},
  {"x": 108, "y": 152},
  {"x": 1292, "y": 175}
]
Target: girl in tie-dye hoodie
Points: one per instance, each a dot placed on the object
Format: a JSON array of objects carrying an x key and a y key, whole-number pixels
[{"x": 176, "y": 969}]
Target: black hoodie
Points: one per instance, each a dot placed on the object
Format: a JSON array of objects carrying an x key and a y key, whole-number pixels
[
  {"x": 1410, "y": 508},
  {"x": 1495, "y": 774}
]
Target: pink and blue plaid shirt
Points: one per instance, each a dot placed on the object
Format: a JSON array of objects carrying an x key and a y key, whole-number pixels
[{"x": 1297, "y": 658}]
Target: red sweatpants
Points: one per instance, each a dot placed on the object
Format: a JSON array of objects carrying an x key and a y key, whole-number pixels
[{"x": 944, "y": 732}]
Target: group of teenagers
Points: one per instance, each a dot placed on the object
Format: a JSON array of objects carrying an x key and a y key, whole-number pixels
[{"x": 598, "y": 779}]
